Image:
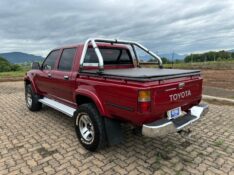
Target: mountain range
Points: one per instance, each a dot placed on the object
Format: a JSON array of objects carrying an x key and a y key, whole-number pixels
[
  {"x": 20, "y": 57},
  {"x": 175, "y": 56},
  {"x": 230, "y": 50}
]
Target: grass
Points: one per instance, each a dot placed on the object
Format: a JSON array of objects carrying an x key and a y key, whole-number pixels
[
  {"x": 178, "y": 173},
  {"x": 158, "y": 158},
  {"x": 217, "y": 65},
  {"x": 218, "y": 143},
  {"x": 13, "y": 74}
]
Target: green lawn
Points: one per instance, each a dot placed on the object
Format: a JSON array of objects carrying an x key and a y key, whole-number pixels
[
  {"x": 218, "y": 65},
  {"x": 13, "y": 74}
]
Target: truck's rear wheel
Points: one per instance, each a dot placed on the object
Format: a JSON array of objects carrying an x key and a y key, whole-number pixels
[
  {"x": 89, "y": 127},
  {"x": 31, "y": 99}
]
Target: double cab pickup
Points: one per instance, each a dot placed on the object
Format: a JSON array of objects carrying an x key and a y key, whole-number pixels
[{"x": 103, "y": 83}]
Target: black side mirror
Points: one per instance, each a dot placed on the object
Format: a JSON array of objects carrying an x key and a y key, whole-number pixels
[{"x": 36, "y": 65}]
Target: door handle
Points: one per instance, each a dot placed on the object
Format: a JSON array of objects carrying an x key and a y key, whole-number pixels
[
  {"x": 49, "y": 75},
  {"x": 66, "y": 77}
]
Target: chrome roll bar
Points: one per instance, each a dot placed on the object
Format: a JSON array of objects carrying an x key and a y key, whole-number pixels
[{"x": 100, "y": 63}]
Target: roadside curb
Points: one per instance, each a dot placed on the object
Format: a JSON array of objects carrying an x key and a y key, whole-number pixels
[{"x": 208, "y": 97}]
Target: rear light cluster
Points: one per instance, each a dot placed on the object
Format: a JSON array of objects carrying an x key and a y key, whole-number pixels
[{"x": 144, "y": 101}]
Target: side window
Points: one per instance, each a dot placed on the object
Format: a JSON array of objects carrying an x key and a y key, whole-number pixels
[
  {"x": 49, "y": 63},
  {"x": 66, "y": 59}
]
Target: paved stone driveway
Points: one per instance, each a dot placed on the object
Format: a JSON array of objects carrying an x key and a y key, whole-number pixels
[{"x": 45, "y": 143}]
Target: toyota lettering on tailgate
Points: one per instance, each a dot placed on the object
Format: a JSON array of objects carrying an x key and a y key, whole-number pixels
[{"x": 181, "y": 95}]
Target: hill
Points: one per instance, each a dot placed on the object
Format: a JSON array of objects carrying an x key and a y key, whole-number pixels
[{"x": 20, "y": 57}]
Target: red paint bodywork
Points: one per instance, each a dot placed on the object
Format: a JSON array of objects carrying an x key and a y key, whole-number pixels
[{"x": 107, "y": 93}]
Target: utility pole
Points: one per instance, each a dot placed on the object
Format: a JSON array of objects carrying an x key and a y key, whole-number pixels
[
  {"x": 172, "y": 59},
  {"x": 191, "y": 58}
]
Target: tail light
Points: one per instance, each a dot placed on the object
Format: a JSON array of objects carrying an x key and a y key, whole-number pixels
[{"x": 144, "y": 101}]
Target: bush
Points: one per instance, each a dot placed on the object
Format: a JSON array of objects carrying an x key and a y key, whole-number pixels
[
  {"x": 15, "y": 67},
  {"x": 6, "y": 66}
]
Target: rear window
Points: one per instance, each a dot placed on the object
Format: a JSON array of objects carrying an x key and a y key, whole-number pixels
[
  {"x": 110, "y": 56},
  {"x": 66, "y": 60}
]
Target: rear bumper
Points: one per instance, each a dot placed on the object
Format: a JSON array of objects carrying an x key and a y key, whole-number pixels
[{"x": 164, "y": 126}]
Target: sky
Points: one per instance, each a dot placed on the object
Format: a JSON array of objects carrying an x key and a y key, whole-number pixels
[{"x": 182, "y": 26}]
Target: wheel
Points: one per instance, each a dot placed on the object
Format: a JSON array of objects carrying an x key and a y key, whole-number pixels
[
  {"x": 31, "y": 99},
  {"x": 89, "y": 126}
]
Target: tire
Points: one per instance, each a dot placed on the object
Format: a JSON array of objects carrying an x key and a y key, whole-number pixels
[
  {"x": 89, "y": 127},
  {"x": 31, "y": 99}
]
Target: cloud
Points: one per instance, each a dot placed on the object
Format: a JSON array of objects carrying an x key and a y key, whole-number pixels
[{"x": 163, "y": 26}]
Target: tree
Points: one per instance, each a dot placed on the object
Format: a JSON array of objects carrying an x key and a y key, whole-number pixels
[
  {"x": 209, "y": 56},
  {"x": 165, "y": 60},
  {"x": 6, "y": 66}
]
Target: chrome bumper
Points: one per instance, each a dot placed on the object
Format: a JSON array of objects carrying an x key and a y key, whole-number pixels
[{"x": 165, "y": 126}]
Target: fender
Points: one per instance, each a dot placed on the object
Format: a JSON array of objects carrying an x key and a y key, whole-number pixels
[
  {"x": 94, "y": 97},
  {"x": 28, "y": 78}
]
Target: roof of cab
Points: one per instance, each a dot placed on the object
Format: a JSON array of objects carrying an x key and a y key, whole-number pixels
[{"x": 99, "y": 44}]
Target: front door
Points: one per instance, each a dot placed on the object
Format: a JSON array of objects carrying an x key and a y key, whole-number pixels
[{"x": 44, "y": 79}]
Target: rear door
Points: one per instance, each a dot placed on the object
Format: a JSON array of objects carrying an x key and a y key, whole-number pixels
[
  {"x": 44, "y": 79},
  {"x": 63, "y": 76}
]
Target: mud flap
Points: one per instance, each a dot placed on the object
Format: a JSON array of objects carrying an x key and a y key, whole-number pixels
[{"x": 114, "y": 131}]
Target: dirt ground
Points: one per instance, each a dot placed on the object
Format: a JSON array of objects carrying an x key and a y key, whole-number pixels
[
  {"x": 219, "y": 83},
  {"x": 219, "y": 78}
]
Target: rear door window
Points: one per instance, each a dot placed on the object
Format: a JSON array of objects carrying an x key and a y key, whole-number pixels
[
  {"x": 49, "y": 63},
  {"x": 66, "y": 60},
  {"x": 110, "y": 56}
]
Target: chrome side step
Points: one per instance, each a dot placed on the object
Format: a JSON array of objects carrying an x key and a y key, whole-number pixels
[{"x": 58, "y": 106}]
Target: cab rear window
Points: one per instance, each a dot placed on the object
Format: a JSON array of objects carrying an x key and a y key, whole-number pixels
[{"x": 110, "y": 56}]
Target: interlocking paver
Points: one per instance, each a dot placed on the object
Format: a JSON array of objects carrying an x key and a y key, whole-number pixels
[{"x": 45, "y": 142}]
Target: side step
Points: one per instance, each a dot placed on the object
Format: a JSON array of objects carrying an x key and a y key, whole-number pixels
[{"x": 58, "y": 106}]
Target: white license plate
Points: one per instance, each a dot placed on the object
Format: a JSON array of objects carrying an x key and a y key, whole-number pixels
[{"x": 174, "y": 113}]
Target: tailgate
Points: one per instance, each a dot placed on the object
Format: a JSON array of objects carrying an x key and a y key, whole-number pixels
[{"x": 182, "y": 94}]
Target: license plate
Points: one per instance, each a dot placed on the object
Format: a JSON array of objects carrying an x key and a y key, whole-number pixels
[{"x": 174, "y": 113}]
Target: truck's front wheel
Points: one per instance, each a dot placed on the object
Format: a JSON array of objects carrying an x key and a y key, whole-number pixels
[
  {"x": 89, "y": 127},
  {"x": 31, "y": 99}
]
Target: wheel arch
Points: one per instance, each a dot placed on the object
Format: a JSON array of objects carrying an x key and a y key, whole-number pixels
[
  {"x": 85, "y": 96},
  {"x": 28, "y": 81}
]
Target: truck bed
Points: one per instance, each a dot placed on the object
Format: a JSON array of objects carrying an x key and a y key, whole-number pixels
[{"x": 144, "y": 74}]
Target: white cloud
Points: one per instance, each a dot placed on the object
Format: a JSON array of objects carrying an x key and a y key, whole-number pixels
[{"x": 180, "y": 25}]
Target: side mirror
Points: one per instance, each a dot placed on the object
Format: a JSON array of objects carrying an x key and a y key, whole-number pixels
[{"x": 36, "y": 65}]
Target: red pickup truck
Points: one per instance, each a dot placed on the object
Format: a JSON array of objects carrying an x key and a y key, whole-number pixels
[{"x": 102, "y": 84}]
